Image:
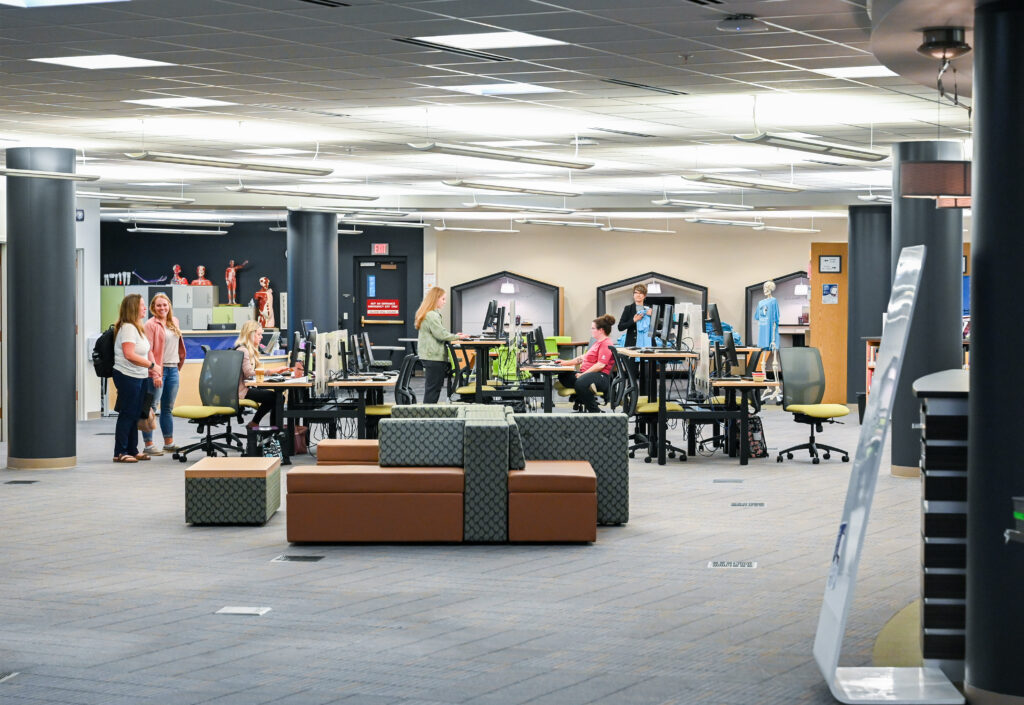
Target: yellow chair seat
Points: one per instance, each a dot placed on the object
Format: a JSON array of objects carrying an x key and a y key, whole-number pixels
[
  {"x": 378, "y": 409},
  {"x": 471, "y": 389},
  {"x": 651, "y": 407},
  {"x": 249, "y": 403},
  {"x": 642, "y": 399},
  {"x": 202, "y": 412},
  {"x": 819, "y": 411}
]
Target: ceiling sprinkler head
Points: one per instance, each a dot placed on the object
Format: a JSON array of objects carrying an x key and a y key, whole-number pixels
[
  {"x": 741, "y": 24},
  {"x": 944, "y": 43}
]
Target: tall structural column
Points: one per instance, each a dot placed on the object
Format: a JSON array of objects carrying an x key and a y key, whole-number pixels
[
  {"x": 41, "y": 296},
  {"x": 995, "y": 570},
  {"x": 313, "y": 269},
  {"x": 870, "y": 239},
  {"x": 935, "y": 341}
]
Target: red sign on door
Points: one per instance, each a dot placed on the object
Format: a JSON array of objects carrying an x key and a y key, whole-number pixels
[
  {"x": 378, "y": 248},
  {"x": 382, "y": 307}
]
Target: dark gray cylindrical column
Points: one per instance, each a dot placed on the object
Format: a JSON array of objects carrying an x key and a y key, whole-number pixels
[
  {"x": 313, "y": 269},
  {"x": 41, "y": 301},
  {"x": 995, "y": 570},
  {"x": 870, "y": 240},
  {"x": 935, "y": 342}
]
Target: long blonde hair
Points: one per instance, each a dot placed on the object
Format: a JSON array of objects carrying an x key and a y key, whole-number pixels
[
  {"x": 244, "y": 340},
  {"x": 169, "y": 321},
  {"x": 129, "y": 313},
  {"x": 429, "y": 304}
]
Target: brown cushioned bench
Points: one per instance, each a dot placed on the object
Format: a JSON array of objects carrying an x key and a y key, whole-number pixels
[
  {"x": 347, "y": 451},
  {"x": 552, "y": 500},
  {"x": 368, "y": 503}
]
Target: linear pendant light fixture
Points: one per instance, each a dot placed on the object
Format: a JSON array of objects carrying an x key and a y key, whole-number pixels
[
  {"x": 299, "y": 194},
  {"x": 617, "y": 229},
  {"x": 769, "y": 139},
  {"x": 214, "y": 162},
  {"x": 135, "y": 198},
  {"x": 508, "y": 187},
  {"x": 564, "y": 223},
  {"x": 36, "y": 174},
  {"x": 520, "y": 209},
  {"x": 762, "y": 184},
  {"x": 388, "y": 223},
  {"x": 443, "y": 228},
  {"x": 709, "y": 205},
  {"x": 196, "y": 223},
  {"x": 720, "y": 221},
  {"x": 507, "y": 155},
  {"x": 785, "y": 229},
  {"x": 175, "y": 231}
]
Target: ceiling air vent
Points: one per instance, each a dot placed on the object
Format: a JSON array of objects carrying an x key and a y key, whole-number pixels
[
  {"x": 482, "y": 55},
  {"x": 327, "y": 3},
  {"x": 620, "y": 82}
]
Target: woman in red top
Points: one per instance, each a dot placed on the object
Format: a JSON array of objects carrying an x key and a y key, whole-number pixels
[{"x": 595, "y": 366}]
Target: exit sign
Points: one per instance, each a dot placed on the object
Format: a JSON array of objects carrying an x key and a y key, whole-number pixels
[{"x": 379, "y": 248}]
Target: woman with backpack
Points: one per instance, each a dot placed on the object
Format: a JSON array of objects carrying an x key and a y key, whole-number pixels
[
  {"x": 164, "y": 334},
  {"x": 132, "y": 365}
]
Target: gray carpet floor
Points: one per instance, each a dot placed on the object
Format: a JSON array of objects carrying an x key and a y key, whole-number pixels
[{"x": 108, "y": 597}]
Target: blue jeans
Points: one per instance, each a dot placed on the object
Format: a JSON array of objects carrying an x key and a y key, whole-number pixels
[
  {"x": 165, "y": 396},
  {"x": 129, "y": 404}
]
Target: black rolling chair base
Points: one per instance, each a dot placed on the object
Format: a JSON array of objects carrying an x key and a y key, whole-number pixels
[
  {"x": 813, "y": 447},
  {"x": 211, "y": 445}
]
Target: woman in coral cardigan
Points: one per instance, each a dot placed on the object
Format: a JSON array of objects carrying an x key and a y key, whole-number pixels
[{"x": 164, "y": 334}]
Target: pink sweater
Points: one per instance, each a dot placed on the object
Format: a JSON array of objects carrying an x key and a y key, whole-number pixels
[{"x": 155, "y": 333}]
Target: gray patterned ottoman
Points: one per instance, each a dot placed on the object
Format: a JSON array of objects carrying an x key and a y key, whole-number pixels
[{"x": 232, "y": 490}]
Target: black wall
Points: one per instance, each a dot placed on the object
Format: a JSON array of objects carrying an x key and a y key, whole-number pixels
[{"x": 153, "y": 256}]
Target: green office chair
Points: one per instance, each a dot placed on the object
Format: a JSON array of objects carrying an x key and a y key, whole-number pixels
[
  {"x": 803, "y": 387},
  {"x": 218, "y": 390}
]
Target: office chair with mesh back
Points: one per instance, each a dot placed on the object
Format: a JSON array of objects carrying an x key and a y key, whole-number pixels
[
  {"x": 403, "y": 395},
  {"x": 218, "y": 390},
  {"x": 803, "y": 387},
  {"x": 374, "y": 365},
  {"x": 643, "y": 410}
]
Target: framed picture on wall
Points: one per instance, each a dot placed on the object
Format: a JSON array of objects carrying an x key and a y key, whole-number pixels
[{"x": 830, "y": 264}]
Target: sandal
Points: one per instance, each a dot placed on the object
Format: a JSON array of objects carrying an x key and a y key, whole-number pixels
[
  {"x": 125, "y": 458},
  {"x": 142, "y": 456}
]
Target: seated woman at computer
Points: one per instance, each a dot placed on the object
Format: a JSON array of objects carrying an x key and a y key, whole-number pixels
[
  {"x": 595, "y": 366},
  {"x": 248, "y": 342},
  {"x": 636, "y": 320},
  {"x": 432, "y": 337}
]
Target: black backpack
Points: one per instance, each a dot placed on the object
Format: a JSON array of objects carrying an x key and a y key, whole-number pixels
[{"x": 103, "y": 354}]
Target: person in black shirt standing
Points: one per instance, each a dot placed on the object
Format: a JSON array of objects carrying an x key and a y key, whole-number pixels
[{"x": 633, "y": 315}]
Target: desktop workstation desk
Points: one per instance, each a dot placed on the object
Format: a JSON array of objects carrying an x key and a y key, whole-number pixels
[{"x": 656, "y": 375}]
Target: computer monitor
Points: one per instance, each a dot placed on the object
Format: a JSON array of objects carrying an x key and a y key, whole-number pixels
[
  {"x": 271, "y": 344},
  {"x": 538, "y": 340},
  {"x": 307, "y": 327},
  {"x": 220, "y": 326},
  {"x": 716, "y": 322},
  {"x": 731, "y": 360},
  {"x": 307, "y": 352},
  {"x": 666, "y": 323},
  {"x": 491, "y": 317},
  {"x": 293, "y": 354}
]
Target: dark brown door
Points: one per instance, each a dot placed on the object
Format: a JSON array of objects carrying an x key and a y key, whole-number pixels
[{"x": 382, "y": 307}]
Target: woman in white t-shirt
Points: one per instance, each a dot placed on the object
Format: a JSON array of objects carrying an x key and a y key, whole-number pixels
[{"x": 132, "y": 364}]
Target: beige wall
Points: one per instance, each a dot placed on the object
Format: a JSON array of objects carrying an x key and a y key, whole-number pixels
[{"x": 724, "y": 259}]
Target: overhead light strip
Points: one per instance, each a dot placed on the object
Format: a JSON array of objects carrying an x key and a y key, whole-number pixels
[
  {"x": 618, "y": 229},
  {"x": 443, "y": 228},
  {"x": 520, "y": 209},
  {"x": 627, "y": 133},
  {"x": 712, "y": 205},
  {"x": 743, "y": 183},
  {"x": 561, "y": 223},
  {"x": 299, "y": 194},
  {"x": 135, "y": 198},
  {"x": 386, "y": 223},
  {"x": 719, "y": 221},
  {"x": 786, "y": 229},
  {"x": 769, "y": 139},
  {"x": 36, "y": 174},
  {"x": 643, "y": 86},
  {"x": 175, "y": 231},
  {"x": 214, "y": 162},
  {"x": 508, "y": 187},
  {"x": 507, "y": 155},
  {"x": 197, "y": 223},
  {"x": 482, "y": 55}
]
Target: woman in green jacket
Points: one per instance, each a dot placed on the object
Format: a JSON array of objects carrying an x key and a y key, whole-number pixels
[{"x": 432, "y": 337}]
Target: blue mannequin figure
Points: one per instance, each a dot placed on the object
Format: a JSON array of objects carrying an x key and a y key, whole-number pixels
[{"x": 767, "y": 316}]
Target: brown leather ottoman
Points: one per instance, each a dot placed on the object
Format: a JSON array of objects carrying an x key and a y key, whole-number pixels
[
  {"x": 368, "y": 503},
  {"x": 552, "y": 500},
  {"x": 347, "y": 451}
]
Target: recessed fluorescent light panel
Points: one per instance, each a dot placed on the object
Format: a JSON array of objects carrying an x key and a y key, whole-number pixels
[
  {"x": 815, "y": 146},
  {"x": 102, "y": 61},
  {"x": 179, "y": 102},
  {"x": 743, "y": 183},
  {"x": 508, "y": 187},
  {"x": 300, "y": 194},
  {"x": 506, "y": 155},
  {"x": 491, "y": 40},
  {"x": 53, "y": 3},
  {"x": 194, "y": 160},
  {"x": 501, "y": 89},
  {"x": 857, "y": 72}
]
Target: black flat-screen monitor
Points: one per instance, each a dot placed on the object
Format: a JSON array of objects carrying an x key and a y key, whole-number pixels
[
  {"x": 307, "y": 353},
  {"x": 665, "y": 331},
  {"x": 538, "y": 340},
  {"x": 293, "y": 354},
  {"x": 220, "y": 326},
  {"x": 680, "y": 326},
  {"x": 731, "y": 360},
  {"x": 716, "y": 322},
  {"x": 307, "y": 327},
  {"x": 491, "y": 317}
]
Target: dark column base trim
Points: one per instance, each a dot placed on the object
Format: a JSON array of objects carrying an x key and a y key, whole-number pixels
[
  {"x": 978, "y": 696},
  {"x": 42, "y": 463}
]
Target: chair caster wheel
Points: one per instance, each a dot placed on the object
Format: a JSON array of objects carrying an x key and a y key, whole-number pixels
[
  {"x": 846, "y": 458},
  {"x": 827, "y": 456},
  {"x": 789, "y": 455},
  {"x": 815, "y": 461},
  {"x": 647, "y": 459},
  {"x": 778, "y": 459},
  {"x": 671, "y": 455},
  {"x": 632, "y": 454},
  {"x": 175, "y": 456},
  {"x": 182, "y": 459}
]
